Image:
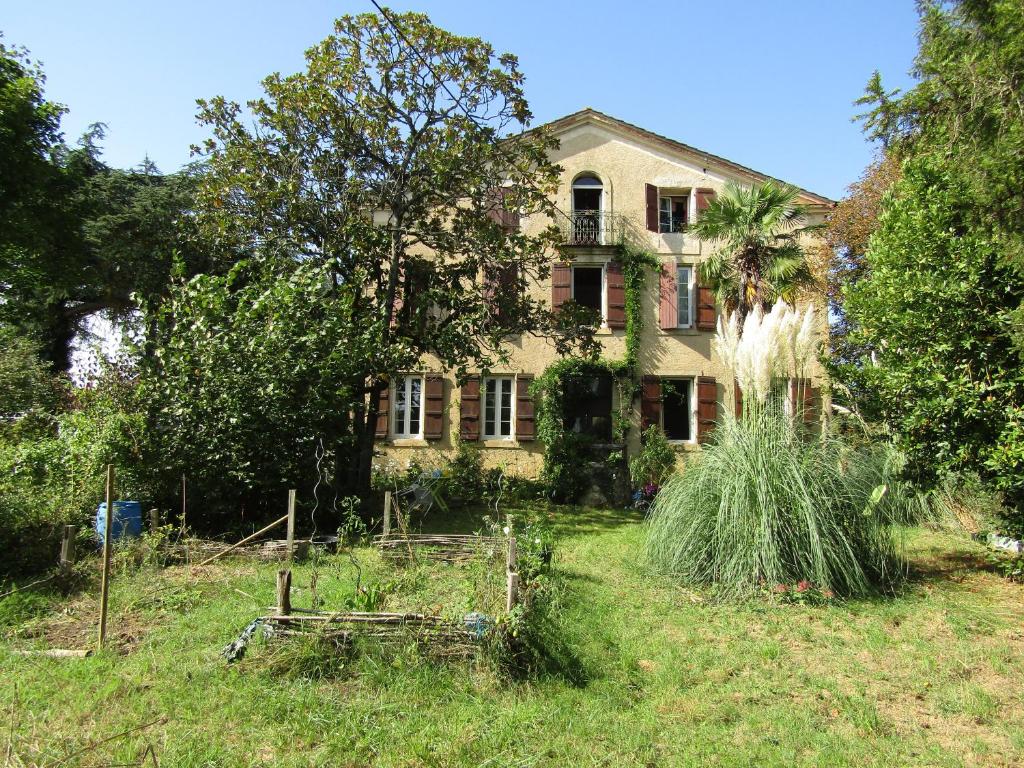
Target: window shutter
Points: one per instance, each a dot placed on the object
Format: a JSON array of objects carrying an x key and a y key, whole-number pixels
[
  {"x": 469, "y": 409},
  {"x": 704, "y": 198},
  {"x": 400, "y": 289},
  {"x": 651, "y": 195},
  {"x": 616, "y": 295},
  {"x": 707, "y": 407},
  {"x": 668, "y": 311},
  {"x": 382, "y": 412},
  {"x": 650, "y": 402},
  {"x": 705, "y": 308},
  {"x": 561, "y": 284},
  {"x": 802, "y": 397},
  {"x": 737, "y": 399},
  {"x": 526, "y": 428},
  {"x": 501, "y": 214},
  {"x": 433, "y": 424}
]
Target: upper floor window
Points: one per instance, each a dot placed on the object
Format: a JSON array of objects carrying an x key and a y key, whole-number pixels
[
  {"x": 408, "y": 408},
  {"x": 586, "y": 193},
  {"x": 498, "y": 404},
  {"x": 588, "y": 287},
  {"x": 684, "y": 296},
  {"x": 673, "y": 211}
]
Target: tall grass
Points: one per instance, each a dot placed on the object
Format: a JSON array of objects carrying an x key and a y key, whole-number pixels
[{"x": 764, "y": 505}]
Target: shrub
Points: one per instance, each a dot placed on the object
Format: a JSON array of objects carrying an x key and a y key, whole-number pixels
[
  {"x": 656, "y": 459},
  {"x": 763, "y": 505}
]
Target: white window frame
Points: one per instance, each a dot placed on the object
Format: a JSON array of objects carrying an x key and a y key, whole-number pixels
[
  {"x": 494, "y": 433},
  {"x": 685, "y": 322},
  {"x": 691, "y": 383},
  {"x": 604, "y": 287},
  {"x": 402, "y": 430}
]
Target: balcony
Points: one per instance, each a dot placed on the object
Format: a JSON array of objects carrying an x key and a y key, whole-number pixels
[{"x": 592, "y": 228}]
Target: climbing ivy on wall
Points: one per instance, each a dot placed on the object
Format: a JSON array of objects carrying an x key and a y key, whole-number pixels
[{"x": 568, "y": 456}]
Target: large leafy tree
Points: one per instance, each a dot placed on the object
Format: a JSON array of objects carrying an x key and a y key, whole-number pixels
[
  {"x": 78, "y": 237},
  {"x": 386, "y": 178},
  {"x": 758, "y": 256},
  {"x": 937, "y": 310}
]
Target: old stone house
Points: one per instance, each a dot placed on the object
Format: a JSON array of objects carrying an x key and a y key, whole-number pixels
[{"x": 620, "y": 181}]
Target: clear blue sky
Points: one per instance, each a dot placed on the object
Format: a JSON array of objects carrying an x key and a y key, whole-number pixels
[{"x": 765, "y": 83}]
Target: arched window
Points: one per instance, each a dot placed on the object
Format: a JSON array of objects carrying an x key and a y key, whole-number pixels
[{"x": 586, "y": 193}]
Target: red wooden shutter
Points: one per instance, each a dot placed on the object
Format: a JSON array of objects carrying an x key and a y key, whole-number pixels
[
  {"x": 737, "y": 399},
  {"x": 561, "y": 284},
  {"x": 668, "y": 307},
  {"x": 704, "y": 198},
  {"x": 616, "y": 295},
  {"x": 469, "y": 409},
  {"x": 705, "y": 308},
  {"x": 382, "y": 412},
  {"x": 707, "y": 407},
  {"x": 433, "y": 424},
  {"x": 650, "y": 402},
  {"x": 501, "y": 213},
  {"x": 526, "y": 428},
  {"x": 651, "y": 201}
]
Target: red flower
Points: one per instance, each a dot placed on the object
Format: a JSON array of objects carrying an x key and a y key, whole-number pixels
[
  {"x": 781, "y": 589},
  {"x": 803, "y": 586},
  {"x": 828, "y": 594}
]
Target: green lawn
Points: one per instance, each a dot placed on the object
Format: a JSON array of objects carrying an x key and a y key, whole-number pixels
[{"x": 649, "y": 673}]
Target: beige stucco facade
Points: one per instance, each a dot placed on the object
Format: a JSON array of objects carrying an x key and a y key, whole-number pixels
[{"x": 625, "y": 159}]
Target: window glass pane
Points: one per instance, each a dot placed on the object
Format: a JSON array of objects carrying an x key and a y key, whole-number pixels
[
  {"x": 588, "y": 406},
  {"x": 675, "y": 409},
  {"x": 683, "y": 295},
  {"x": 506, "y": 408},
  {"x": 415, "y": 386},
  {"x": 679, "y": 205},
  {"x": 400, "y": 410},
  {"x": 586, "y": 287},
  {"x": 490, "y": 385}
]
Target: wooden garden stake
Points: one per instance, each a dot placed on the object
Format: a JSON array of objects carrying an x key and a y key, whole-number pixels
[
  {"x": 512, "y": 595},
  {"x": 290, "y": 547},
  {"x": 246, "y": 540},
  {"x": 511, "y": 564},
  {"x": 284, "y": 586},
  {"x": 387, "y": 514},
  {"x": 67, "y": 547},
  {"x": 154, "y": 520},
  {"x": 105, "y": 579}
]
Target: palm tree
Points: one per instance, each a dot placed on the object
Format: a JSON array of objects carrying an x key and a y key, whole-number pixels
[{"x": 758, "y": 257}]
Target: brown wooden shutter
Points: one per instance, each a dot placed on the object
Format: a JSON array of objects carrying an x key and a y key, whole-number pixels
[
  {"x": 469, "y": 409},
  {"x": 650, "y": 402},
  {"x": 561, "y": 284},
  {"x": 668, "y": 306},
  {"x": 526, "y": 428},
  {"x": 616, "y": 295},
  {"x": 433, "y": 423},
  {"x": 704, "y": 198},
  {"x": 737, "y": 399},
  {"x": 802, "y": 398},
  {"x": 705, "y": 308},
  {"x": 382, "y": 412},
  {"x": 500, "y": 213},
  {"x": 651, "y": 200},
  {"x": 707, "y": 407}
]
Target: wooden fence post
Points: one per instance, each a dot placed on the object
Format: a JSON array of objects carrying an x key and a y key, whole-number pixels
[
  {"x": 105, "y": 579},
  {"x": 291, "y": 524},
  {"x": 512, "y": 594},
  {"x": 387, "y": 514},
  {"x": 284, "y": 586},
  {"x": 67, "y": 547},
  {"x": 512, "y": 556},
  {"x": 154, "y": 520}
]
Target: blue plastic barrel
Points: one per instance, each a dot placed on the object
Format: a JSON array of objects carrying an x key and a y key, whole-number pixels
[{"x": 127, "y": 519}]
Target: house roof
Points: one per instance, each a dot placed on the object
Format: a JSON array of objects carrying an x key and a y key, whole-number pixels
[{"x": 588, "y": 115}]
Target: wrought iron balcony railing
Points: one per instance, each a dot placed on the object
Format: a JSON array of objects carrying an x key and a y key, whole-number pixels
[{"x": 592, "y": 228}]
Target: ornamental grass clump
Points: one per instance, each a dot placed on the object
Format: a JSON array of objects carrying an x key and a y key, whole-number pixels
[{"x": 768, "y": 502}]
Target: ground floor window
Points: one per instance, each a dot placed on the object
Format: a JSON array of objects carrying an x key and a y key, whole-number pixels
[
  {"x": 677, "y": 408},
  {"x": 408, "y": 406},
  {"x": 588, "y": 406},
  {"x": 498, "y": 403}
]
